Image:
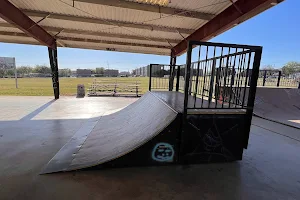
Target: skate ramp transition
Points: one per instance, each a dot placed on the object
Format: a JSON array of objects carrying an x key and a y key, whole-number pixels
[
  {"x": 109, "y": 137},
  {"x": 278, "y": 104}
]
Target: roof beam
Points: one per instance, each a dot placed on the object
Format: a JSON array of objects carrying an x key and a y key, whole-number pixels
[
  {"x": 226, "y": 20},
  {"x": 107, "y": 22},
  {"x": 96, "y": 33},
  {"x": 59, "y": 38},
  {"x": 151, "y": 8},
  {"x": 13, "y": 15},
  {"x": 112, "y": 42}
]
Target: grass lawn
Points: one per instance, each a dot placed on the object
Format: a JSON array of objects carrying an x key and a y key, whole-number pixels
[{"x": 68, "y": 86}]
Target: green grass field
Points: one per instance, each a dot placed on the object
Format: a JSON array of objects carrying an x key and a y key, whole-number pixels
[{"x": 68, "y": 86}]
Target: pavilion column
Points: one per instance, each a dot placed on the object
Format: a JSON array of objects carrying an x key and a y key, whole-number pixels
[
  {"x": 172, "y": 72},
  {"x": 54, "y": 70}
]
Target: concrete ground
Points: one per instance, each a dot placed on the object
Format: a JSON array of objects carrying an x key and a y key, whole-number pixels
[{"x": 33, "y": 129}]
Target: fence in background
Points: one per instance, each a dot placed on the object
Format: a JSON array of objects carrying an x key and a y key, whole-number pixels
[
  {"x": 166, "y": 77},
  {"x": 275, "y": 78}
]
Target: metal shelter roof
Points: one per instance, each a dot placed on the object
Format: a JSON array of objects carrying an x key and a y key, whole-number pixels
[{"x": 129, "y": 26}]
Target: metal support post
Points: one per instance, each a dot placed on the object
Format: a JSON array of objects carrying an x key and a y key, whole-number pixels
[
  {"x": 265, "y": 76},
  {"x": 54, "y": 70},
  {"x": 172, "y": 72},
  {"x": 279, "y": 76}
]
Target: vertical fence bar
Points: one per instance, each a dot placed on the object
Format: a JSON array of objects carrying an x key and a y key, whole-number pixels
[
  {"x": 252, "y": 92},
  {"x": 264, "y": 79},
  {"x": 150, "y": 76},
  {"x": 278, "y": 80},
  {"x": 232, "y": 77},
  {"x": 225, "y": 76},
  {"x": 247, "y": 74},
  {"x": 218, "y": 78},
  {"x": 204, "y": 75},
  {"x": 197, "y": 76},
  {"x": 238, "y": 79},
  {"x": 191, "y": 78},
  {"x": 212, "y": 80},
  {"x": 187, "y": 79},
  {"x": 242, "y": 72},
  {"x": 177, "y": 78}
]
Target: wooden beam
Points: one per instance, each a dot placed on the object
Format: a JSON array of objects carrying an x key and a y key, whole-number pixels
[
  {"x": 226, "y": 20},
  {"x": 91, "y": 40},
  {"x": 96, "y": 33},
  {"x": 151, "y": 8},
  {"x": 13, "y": 15},
  {"x": 107, "y": 22}
]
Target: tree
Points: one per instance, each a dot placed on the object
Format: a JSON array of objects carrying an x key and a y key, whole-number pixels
[
  {"x": 1, "y": 72},
  {"x": 291, "y": 68},
  {"x": 64, "y": 72},
  {"x": 24, "y": 70},
  {"x": 100, "y": 70},
  {"x": 10, "y": 72},
  {"x": 42, "y": 69}
]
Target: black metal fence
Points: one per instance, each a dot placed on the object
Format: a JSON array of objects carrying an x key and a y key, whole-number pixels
[
  {"x": 275, "y": 78},
  {"x": 166, "y": 77},
  {"x": 222, "y": 75}
]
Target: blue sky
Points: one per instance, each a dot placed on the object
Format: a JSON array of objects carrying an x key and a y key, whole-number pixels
[{"x": 276, "y": 29}]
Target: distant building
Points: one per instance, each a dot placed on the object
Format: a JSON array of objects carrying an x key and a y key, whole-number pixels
[
  {"x": 124, "y": 73},
  {"x": 111, "y": 72},
  {"x": 83, "y": 73}
]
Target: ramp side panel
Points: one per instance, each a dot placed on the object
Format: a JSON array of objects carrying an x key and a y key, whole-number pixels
[
  {"x": 120, "y": 133},
  {"x": 213, "y": 138},
  {"x": 148, "y": 154}
]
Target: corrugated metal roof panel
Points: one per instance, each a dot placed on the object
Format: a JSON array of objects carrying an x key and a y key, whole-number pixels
[
  {"x": 120, "y": 48},
  {"x": 108, "y": 29},
  {"x": 71, "y": 35},
  {"x": 18, "y": 39},
  {"x": 196, "y": 5},
  {"x": 118, "y": 14},
  {"x": 108, "y": 12},
  {"x": 11, "y": 29}
]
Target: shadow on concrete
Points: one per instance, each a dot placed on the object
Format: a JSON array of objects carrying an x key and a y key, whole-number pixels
[{"x": 37, "y": 111}]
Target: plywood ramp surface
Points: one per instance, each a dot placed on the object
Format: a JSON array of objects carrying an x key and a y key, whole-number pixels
[
  {"x": 114, "y": 135},
  {"x": 279, "y": 105}
]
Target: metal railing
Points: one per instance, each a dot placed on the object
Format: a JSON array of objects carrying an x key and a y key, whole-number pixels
[
  {"x": 275, "y": 78},
  {"x": 166, "y": 77},
  {"x": 222, "y": 76}
]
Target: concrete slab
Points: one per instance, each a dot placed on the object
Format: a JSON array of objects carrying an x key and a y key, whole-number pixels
[{"x": 270, "y": 168}]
